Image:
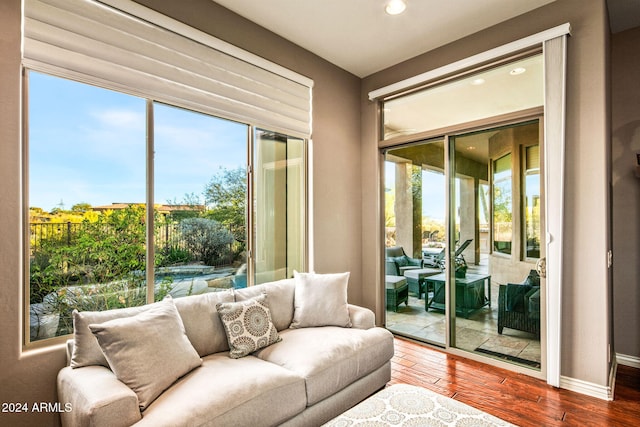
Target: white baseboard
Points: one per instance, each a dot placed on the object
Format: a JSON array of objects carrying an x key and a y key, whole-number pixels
[
  {"x": 632, "y": 361},
  {"x": 595, "y": 390},
  {"x": 591, "y": 389}
]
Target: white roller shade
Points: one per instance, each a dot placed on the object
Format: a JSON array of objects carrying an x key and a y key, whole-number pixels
[{"x": 97, "y": 43}]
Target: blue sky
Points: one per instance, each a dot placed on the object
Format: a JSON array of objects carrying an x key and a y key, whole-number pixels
[
  {"x": 87, "y": 145},
  {"x": 433, "y": 191}
]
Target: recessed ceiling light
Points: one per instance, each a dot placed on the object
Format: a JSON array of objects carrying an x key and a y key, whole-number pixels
[
  {"x": 517, "y": 71},
  {"x": 477, "y": 82},
  {"x": 395, "y": 7}
]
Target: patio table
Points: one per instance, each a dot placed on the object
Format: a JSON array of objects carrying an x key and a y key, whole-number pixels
[
  {"x": 416, "y": 280},
  {"x": 470, "y": 293}
]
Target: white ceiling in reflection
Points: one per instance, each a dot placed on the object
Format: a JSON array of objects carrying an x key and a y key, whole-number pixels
[{"x": 479, "y": 96}]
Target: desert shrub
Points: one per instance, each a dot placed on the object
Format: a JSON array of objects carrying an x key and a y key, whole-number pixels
[{"x": 206, "y": 239}]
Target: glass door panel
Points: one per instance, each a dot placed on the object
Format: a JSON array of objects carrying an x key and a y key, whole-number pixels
[
  {"x": 279, "y": 205},
  {"x": 497, "y": 295},
  {"x": 415, "y": 209}
]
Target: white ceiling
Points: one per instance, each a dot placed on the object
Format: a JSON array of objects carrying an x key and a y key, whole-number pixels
[{"x": 358, "y": 36}]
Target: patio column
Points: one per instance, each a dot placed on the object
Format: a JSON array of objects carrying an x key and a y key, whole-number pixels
[{"x": 408, "y": 208}]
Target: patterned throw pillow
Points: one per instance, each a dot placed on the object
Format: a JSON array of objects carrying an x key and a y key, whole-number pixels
[{"x": 248, "y": 325}]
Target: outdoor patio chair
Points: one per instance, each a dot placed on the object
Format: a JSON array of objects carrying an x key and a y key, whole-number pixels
[
  {"x": 397, "y": 262},
  {"x": 458, "y": 256},
  {"x": 519, "y": 305},
  {"x": 438, "y": 261}
]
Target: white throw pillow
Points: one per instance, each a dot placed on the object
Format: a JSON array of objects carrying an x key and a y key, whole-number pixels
[
  {"x": 149, "y": 351},
  {"x": 248, "y": 325},
  {"x": 320, "y": 300}
]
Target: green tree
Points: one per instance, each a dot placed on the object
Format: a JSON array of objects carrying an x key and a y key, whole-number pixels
[
  {"x": 226, "y": 197},
  {"x": 81, "y": 207},
  {"x": 191, "y": 200}
]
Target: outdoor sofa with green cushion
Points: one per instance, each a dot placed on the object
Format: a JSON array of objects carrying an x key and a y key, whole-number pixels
[
  {"x": 397, "y": 262},
  {"x": 290, "y": 352}
]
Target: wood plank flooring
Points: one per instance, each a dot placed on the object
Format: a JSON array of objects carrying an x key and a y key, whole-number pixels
[{"x": 516, "y": 398}]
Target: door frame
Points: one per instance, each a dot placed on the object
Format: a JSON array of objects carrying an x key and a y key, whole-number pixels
[{"x": 554, "y": 46}]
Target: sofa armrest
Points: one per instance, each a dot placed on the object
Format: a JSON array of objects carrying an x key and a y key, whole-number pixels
[
  {"x": 95, "y": 397},
  {"x": 361, "y": 317}
]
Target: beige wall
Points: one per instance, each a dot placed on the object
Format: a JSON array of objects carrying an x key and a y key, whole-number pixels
[
  {"x": 24, "y": 376},
  {"x": 30, "y": 376},
  {"x": 625, "y": 93},
  {"x": 586, "y": 296},
  {"x": 346, "y": 190}
]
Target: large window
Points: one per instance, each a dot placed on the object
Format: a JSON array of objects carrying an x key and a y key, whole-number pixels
[{"x": 117, "y": 182}]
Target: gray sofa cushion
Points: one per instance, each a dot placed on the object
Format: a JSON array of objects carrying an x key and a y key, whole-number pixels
[
  {"x": 86, "y": 351},
  {"x": 280, "y": 297},
  {"x": 149, "y": 351},
  {"x": 330, "y": 358},
  {"x": 202, "y": 322},
  {"x": 229, "y": 392}
]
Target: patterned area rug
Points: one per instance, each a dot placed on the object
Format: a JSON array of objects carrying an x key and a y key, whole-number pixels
[{"x": 406, "y": 405}]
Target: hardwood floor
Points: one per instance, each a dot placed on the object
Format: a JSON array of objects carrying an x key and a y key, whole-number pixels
[{"x": 514, "y": 397}]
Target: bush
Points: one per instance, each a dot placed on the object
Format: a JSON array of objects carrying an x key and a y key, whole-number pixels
[
  {"x": 107, "y": 250},
  {"x": 172, "y": 255},
  {"x": 206, "y": 239}
]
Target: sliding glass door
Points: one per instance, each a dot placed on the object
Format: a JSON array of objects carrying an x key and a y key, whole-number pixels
[
  {"x": 463, "y": 212},
  {"x": 465, "y": 276}
]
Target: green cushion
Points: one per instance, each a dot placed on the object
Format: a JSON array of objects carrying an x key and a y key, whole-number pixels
[{"x": 402, "y": 261}]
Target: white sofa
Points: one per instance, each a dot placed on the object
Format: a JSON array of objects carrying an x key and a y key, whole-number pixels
[{"x": 307, "y": 378}]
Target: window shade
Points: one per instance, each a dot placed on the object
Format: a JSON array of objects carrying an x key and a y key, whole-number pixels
[{"x": 96, "y": 43}]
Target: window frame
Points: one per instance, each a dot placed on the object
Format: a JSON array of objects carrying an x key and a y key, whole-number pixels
[{"x": 149, "y": 199}]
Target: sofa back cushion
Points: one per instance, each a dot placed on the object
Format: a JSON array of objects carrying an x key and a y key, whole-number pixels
[
  {"x": 320, "y": 300},
  {"x": 202, "y": 322},
  {"x": 198, "y": 313},
  {"x": 280, "y": 296},
  {"x": 149, "y": 351},
  {"x": 86, "y": 351}
]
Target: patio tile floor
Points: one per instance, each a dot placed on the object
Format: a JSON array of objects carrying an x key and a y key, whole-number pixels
[{"x": 480, "y": 329}]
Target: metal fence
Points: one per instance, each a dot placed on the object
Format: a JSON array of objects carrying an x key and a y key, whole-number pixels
[{"x": 52, "y": 233}]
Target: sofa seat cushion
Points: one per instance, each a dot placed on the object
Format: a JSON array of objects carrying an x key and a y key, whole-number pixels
[
  {"x": 229, "y": 392},
  {"x": 394, "y": 282},
  {"x": 330, "y": 358}
]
